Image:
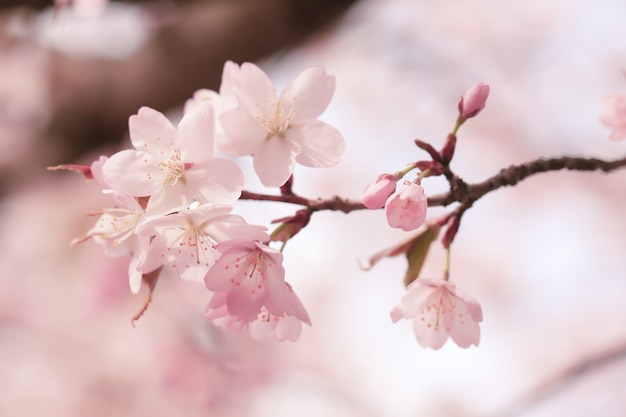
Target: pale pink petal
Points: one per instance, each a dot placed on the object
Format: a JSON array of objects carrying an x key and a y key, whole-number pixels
[
  {"x": 294, "y": 306},
  {"x": 274, "y": 162},
  {"x": 201, "y": 97},
  {"x": 217, "y": 181},
  {"x": 168, "y": 199},
  {"x": 288, "y": 328},
  {"x": 473, "y": 306},
  {"x": 253, "y": 89},
  {"x": 243, "y": 134},
  {"x": 227, "y": 94},
  {"x": 428, "y": 335},
  {"x": 312, "y": 89},
  {"x": 465, "y": 332},
  {"x": 133, "y": 172},
  {"x": 151, "y": 131},
  {"x": 321, "y": 144},
  {"x": 195, "y": 135}
]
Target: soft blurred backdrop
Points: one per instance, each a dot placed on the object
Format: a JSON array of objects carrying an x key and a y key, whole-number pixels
[{"x": 545, "y": 258}]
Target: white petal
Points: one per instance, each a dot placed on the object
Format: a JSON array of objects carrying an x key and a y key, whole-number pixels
[
  {"x": 312, "y": 89},
  {"x": 196, "y": 135},
  {"x": 253, "y": 89},
  {"x": 151, "y": 131},
  {"x": 321, "y": 144},
  {"x": 244, "y": 135},
  {"x": 274, "y": 162},
  {"x": 133, "y": 172}
]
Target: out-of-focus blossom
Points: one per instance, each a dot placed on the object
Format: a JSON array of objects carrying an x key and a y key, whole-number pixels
[
  {"x": 24, "y": 102},
  {"x": 174, "y": 167},
  {"x": 406, "y": 208},
  {"x": 440, "y": 310},
  {"x": 376, "y": 194},
  {"x": 614, "y": 116},
  {"x": 280, "y": 130},
  {"x": 473, "y": 100}
]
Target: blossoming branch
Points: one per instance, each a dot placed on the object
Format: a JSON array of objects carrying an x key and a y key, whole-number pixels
[{"x": 172, "y": 200}]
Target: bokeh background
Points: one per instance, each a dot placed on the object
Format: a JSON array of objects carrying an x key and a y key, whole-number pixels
[{"x": 545, "y": 258}]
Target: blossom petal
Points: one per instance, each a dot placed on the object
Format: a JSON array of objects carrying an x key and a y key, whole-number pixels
[
  {"x": 151, "y": 131},
  {"x": 312, "y": 90},
  {"x": 274, "y": 162},
  {"x": 133, "y": 172},
  {"x": 321, "y": 144},
  {"x": 253, "y": 89},
  {"x": 218, "y": 181},
  {"x": 465, "y": 332},
  {"x": 196, "y": 135},
  {"x": 244, "y": 135}
]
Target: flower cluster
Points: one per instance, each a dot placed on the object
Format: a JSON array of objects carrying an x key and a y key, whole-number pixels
[{"x": 172, "y": 196}]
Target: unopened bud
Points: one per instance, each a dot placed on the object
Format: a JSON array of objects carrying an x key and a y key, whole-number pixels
[
  {"x": 375, "y": 195},
  {"x": 473, "y": 100}
]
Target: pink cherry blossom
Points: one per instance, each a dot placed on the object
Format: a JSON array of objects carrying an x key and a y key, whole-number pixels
[
  {"x": 252, "y": 276},
  {"x": 614, "y": 116},
  {"x": 473, "y": 100},
  {"x": 174, "y": 167},
  {"x": 186, "y": 241},
  {"x": 265, "y": 325},
  {"x": 280, "y": 130},
  {"x": 440, "y": 310},
  {"x": 377, "y": 193},
  {"x": 406, "y": 208}
]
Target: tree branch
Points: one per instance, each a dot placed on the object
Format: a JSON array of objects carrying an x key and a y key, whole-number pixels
[{"x": 466, "y": 194}]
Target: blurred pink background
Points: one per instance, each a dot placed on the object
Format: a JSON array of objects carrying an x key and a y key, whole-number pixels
[{"x": 545, "y": 259}]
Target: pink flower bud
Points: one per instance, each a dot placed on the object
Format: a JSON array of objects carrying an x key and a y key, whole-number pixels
[
  {"x": 376, "y": 194},
  {"x": 473, "y": 100},
  {"x": 406, "y": 208}
]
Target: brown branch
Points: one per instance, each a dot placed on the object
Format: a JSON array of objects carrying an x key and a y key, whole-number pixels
[
  {"x": 466, "y": 194},
  {"x": 516, "y": 173}
]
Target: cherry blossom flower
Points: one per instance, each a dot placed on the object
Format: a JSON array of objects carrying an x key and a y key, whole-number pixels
[
  {"x": 473, "y": 100},
  {"x": 614, "y": 116},
  {"x": 174, "y": 167},
  {"x": 186, "y": 241},
  {"x": 376, "y": 194},
  {"x": 406, "y": 208},
  {"x": 252, "y": 276},
  {"x": 280, "y": 130},
  {"x": 440, "y": 310},
  {"x": 265, "y": 325}
]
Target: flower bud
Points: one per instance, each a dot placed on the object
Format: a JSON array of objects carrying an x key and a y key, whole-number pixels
[
  {"x": 406, "y": 208},
  {"x": 376, "y": 194},
  {"x": 473, "y": 100}
]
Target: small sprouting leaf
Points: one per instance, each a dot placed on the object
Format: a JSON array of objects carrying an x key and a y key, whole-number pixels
[{"x": 417, "y": 251}]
